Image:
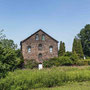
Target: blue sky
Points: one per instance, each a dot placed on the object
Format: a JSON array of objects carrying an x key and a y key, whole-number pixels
[{"x": 62, "y": 19}]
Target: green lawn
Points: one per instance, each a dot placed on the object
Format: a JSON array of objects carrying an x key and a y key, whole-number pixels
[{"x": 73, "y": 86}]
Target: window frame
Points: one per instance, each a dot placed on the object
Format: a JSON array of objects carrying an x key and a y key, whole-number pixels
[
  {"x": 40, "y": 47},
  {"x": 29, "y": 49},
  {"x": 37, "y": 37},
  {"x": 51, "y": 49},
  {"x": 40, "y": 57},
  {"x": 43, "y": 37}
]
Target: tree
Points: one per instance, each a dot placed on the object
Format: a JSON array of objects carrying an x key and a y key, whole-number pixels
[
  {"x": 2, "y": 36},
  {"x": 84, "y": 36},
  {"x": 68, "y": 54},
  {"x": 6, "y": 43},
  {"x": 61, "y": 49},
  {"x": 10, "y": 57},
  {"x": 77, "y": 48},
  {"x": 74, "y": 57}
]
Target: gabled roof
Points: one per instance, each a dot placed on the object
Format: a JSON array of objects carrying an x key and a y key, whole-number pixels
[{"x": 36, "y": 33}]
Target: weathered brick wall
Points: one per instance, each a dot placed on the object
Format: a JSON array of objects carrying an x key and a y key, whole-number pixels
[{"x": 34, "y": 47}]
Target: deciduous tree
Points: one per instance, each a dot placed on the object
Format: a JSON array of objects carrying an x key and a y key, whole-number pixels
[{"x": 84, "y": 36}]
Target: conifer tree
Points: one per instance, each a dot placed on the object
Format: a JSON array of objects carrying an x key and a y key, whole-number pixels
[
  {"x": 74, "y": 45},
  {"x": 77, "y": 47},
  {"x": 61, "y": 49},
  {"x": 80, "y": 49}
]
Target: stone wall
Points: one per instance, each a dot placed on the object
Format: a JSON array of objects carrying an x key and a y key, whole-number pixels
[{"x": 46, "y": 54}]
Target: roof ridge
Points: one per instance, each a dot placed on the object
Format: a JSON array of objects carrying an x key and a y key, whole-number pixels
[{"x": 35, "y": 33}]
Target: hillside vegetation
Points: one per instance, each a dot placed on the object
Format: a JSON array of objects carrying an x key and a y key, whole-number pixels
[
  {"x": 34, "y": 79},
  {"x": 71, "y": 86}
]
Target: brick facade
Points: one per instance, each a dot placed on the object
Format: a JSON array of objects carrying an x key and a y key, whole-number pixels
[{"x": 39, "y": 49}]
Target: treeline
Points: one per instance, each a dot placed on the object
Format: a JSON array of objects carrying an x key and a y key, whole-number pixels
[
  {"x": 11, "y": 58},
  {"x": 80, "y": 54},
  {"x": 81, "y": 44}
]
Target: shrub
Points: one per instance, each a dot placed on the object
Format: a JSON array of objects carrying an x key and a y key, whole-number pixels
[
  {"x": 65, "y": 61},
  {"x": 80, "y": 63},
  {"x": 51, "y": 62},
  {"x": 60, "y": 61},
  {"x": 30, "y": 64},
  {"x": 74, "y": 58},
  {"x": 83, "y": 62}
]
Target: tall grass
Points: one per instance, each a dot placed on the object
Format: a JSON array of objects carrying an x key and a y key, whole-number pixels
[{"x": 27, "y": 79}]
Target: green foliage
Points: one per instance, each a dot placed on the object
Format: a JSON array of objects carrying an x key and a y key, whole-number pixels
[
  {"x": 30, "y": 64},
  {"x": 71, "y": 86},
  {"x": 74, "y": 57},
  {"x": 19, "y": 58},
  {"x": 61, "y": 61},
  {"x": 3, "y": 70},
  {"x": 32, "y": 79},
  {"x": 51, "y": 62},
  {"x": 83, "y": 62},
  {"x": 68, "y": 54},
  {"x": 10, "y": 58},
  {"x": 77, "y": 47},
  {"x": 61, "y": 49},
  {"x": 2, "y": 36},
  {"x": 84, "y": 35},
  {"x": 65, "y": 61},
  {"x": 8, "y": 44}
]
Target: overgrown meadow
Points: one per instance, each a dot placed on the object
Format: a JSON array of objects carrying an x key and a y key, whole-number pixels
[{"x": 32, "y": 79}]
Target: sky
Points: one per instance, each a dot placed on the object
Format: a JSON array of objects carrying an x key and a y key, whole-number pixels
[{"x": 62, "y": 19}]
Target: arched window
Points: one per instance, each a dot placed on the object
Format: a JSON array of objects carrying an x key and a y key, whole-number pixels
[
  {"x": 40, "y": 47},
  {"x": 43, "y": 37},
  {"x": 51, "y": 49},
  {"x": 29, "y": 49},
  {"x": 40, "y": 56},
  {"x": 37, "y": 37}
]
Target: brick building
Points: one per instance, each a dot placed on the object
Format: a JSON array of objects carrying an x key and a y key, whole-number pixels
[{"x": 39, "y": 46}]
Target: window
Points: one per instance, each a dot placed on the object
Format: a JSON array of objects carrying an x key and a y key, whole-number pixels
[
  {"x": 29, "y": 49},
  {"x": 40, "y": 56},
  {"x": 37, "y": 37},
  {"x": 51, "y": 49},
  {"x": 40, "y": 47},
  {"x": 43, "y": 37}
]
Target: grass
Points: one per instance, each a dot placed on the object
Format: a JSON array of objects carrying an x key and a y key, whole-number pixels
[
  {"x": 71, "y": 86},
  {"x": 46, "y": 78}
]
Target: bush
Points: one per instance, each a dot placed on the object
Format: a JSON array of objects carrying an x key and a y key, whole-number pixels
[
  {"x": 65, "y": 61},
  {"x": 60, "y": 61},
  {"x": 83, "y": 62},
  {"x": 3, "y": 70},
  {"x": 8, "y": 60},
  {"x": 30, "y": 64},
  {"x": 80, "y": 63},
  {"x": 51, "y": 62},
  {"x": 74, "y": 58}
]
